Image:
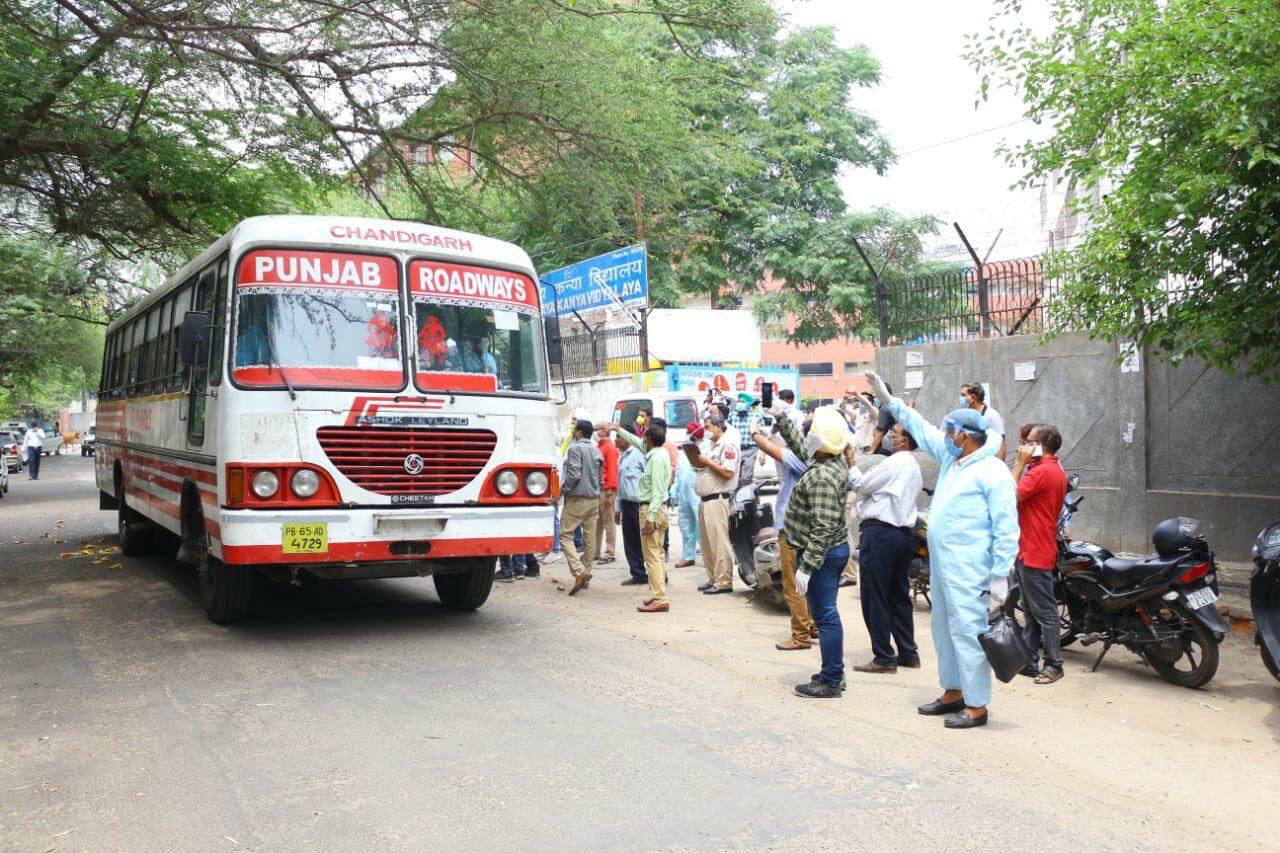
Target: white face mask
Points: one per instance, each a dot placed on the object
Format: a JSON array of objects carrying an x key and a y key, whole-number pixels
[{"x": 812, "y": 443}]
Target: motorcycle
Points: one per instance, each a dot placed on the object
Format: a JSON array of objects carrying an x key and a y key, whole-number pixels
[
  {"x": 746, "y": 519},
  {"x": 1264, "y": 596},
  {"x": 1160, "y": 607}
]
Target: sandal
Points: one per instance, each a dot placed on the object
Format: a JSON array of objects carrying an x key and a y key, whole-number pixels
[{"x": 1048, "y": 675}]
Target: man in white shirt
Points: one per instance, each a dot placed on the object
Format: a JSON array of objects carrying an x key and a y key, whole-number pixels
[
  {"x": 886, "y": 498},
  {"x": 33, "y": 443},
  {"x": 974, "y": 396}
]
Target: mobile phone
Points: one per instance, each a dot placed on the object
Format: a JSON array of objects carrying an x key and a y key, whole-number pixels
[{"x": 766, "y": 395}]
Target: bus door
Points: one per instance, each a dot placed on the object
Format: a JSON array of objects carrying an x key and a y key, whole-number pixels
[{"x": 210, "y": 295}]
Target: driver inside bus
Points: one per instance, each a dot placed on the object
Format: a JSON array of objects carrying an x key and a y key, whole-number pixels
[
  {"x": 476, "y": 357},
  {"x": 251, "y": 341}
]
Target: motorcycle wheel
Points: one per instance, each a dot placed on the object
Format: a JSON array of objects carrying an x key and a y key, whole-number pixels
[
  {"x": 1270, "y": 663},
  {"x": 1070, "y": 614},
  {"x": 1187, "y": 671}
]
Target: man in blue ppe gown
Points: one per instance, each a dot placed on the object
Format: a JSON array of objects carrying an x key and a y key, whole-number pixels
[{"x": 973, "y": 542}]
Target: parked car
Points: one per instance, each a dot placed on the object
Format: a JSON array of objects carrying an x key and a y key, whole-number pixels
[
  {"x": 678, "y": 408},
  {"x": 89, "y": 443},
  {"x": 11, "y": 449}
]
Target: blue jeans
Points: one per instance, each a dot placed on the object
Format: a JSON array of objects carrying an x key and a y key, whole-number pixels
[
  {"x": 823, "y": 586},
  {"x": 512, "y": 563},
  {"x": 33, "y": 463}
]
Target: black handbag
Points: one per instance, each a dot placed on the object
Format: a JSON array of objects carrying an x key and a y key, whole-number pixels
[{"x": 1006, "y": 651}]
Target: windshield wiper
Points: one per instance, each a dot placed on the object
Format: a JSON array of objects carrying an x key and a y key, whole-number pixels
[{"x": 272, "y": 360}]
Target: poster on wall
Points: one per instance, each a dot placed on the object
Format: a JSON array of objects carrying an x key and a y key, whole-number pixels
[{"x": 730, "y": 380}]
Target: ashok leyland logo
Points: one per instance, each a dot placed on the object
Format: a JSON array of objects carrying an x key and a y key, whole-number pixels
[{"x": 413, "y": 464}]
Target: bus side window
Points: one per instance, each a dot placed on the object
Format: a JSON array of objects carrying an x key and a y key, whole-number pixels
[{"x": 219, "y": 322}]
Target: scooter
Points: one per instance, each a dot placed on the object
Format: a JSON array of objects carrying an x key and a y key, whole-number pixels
[
  {"x": 746, "y": 519},
  {"x": 1264, "y": 596},
  {"x": 1160, "y": 607}
]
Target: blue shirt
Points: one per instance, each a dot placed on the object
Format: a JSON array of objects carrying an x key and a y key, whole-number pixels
[
  {"x": 790, "y": 470},
  {"x": 630, "y": 467},
  {"x": 741, "y": 420}
]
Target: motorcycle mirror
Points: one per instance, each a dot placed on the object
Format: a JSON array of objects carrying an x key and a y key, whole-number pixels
[{"x": 1073, "y": 482}]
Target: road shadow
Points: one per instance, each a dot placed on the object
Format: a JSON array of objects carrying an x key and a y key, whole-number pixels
[{"x": 325, "y": 608}]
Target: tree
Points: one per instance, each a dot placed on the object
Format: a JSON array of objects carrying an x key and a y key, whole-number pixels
[
  {"x": 54, "y": 301},
  {"x": 1168, "y": 107},
  {"x": 735, "y": 176},
  {"x": 154, "y": 126}
]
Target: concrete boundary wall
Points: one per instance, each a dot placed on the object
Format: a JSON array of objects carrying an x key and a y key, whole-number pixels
[{"x": 1148, "y": 440}]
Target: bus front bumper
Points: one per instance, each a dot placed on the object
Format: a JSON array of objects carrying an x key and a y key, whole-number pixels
[{"x": 381, "y": 535}]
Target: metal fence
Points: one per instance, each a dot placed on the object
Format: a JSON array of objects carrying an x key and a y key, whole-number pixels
[
  {"x": 986, "y": 300},
  {"x": 608, "y": 351}
]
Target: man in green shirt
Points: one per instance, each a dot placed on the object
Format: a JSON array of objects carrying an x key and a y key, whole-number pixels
[{"x": 652, "y": 495}]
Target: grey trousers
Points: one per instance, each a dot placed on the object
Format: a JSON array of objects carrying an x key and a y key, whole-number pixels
[{"x": 1044, "y": 626}]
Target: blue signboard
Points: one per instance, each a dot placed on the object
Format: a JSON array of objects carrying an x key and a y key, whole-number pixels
[{"x": 581, "y": 287}]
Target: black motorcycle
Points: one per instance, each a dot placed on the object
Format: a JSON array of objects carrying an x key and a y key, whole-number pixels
[
  {"x": 1264, "y": 596},
  {"x": 1160, "y": 607}
]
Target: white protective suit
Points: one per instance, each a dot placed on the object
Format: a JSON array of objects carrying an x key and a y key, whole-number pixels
[{"x": 973, "y": 537}]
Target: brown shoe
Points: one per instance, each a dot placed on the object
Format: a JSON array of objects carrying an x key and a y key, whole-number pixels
[
  {"x": 580, "y": 583},
  {"x": 791, "y": 646},
  {"x": 684, "y": 564},
  {"x": 874, "y": 667},
  {"x": 909, "y": 663},
  {"x": 652, "y": 606}
]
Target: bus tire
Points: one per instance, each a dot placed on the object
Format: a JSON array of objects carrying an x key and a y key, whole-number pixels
[
  {"x": 134, "y": 536},
  {"x": 227, "y": 590},
  {"x": 468, "y": 589}
]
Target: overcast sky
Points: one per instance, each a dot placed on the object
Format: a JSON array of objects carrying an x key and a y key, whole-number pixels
[{"x": 948, "y": 163}]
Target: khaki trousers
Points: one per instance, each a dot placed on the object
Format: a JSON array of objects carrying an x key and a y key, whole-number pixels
[
  {"x": 717, "y": 553},
  {"x": 851, "y": 568},
  {"x": 579, "y": 511},
  {"x": 802, "y": 628},
  {"x": 606, "y": 528},
  {"x": 654, "y": 563}
]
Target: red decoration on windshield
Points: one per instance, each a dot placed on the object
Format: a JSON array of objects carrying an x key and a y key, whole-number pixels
[
  {"x": 433, "y": 340},
  {"x": 382, "y": 341}
]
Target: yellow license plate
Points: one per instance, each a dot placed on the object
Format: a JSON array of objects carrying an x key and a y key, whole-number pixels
[{"x": 305, "y": 538}]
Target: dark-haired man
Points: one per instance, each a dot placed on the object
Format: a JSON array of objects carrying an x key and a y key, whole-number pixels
[
  {"x": 886, "y": 498},
  {"x": 1042, "y": 487},
  {"x": 652, "y": 495},
  {"x": 580, "y": 485},
  {"x": 974, "y": 396}
]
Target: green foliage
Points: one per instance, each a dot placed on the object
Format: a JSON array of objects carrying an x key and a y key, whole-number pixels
[
  {"x": 1169, "y": 108},
  {"x": 51, "y": 324}
]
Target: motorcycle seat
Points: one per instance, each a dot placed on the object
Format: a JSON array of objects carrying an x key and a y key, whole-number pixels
[
  {"x": 1120, "y": 573},
  {"x": 765, "y": 534}
]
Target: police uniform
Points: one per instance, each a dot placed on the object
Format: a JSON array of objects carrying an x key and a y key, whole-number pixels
[{"x": 716, "y": 494}]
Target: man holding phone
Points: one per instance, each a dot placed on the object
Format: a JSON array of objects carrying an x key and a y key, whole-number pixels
[{"x": 1042, "y": 487}]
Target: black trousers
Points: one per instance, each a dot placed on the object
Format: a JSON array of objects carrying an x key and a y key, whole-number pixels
[
  {"x": 884, "y": 555},
  {"x": 631, "y": 540}
]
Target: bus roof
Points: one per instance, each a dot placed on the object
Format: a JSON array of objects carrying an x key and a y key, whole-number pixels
[{"x": 351, "y": 233}]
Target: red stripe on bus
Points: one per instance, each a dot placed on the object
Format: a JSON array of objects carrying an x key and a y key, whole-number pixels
[
  {"x": 457, "y": 381},
  {"x": 202, "y": 475},
  {"x": 355, "y": 552},
  {"x": 169, "y": 508},
  {"x": 330, "y": 377}
]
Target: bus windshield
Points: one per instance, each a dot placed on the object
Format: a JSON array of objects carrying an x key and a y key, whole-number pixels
[
  {"x": 322, "y": 320},
  {"x": 476, "y": 329},
  {"x": 470, "y": 348}
]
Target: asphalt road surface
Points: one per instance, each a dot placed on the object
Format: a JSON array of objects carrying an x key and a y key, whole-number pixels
[{"x": 365, "y": 716}]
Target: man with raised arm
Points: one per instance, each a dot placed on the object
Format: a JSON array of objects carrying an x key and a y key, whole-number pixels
[{"x": 973, "y": 542}]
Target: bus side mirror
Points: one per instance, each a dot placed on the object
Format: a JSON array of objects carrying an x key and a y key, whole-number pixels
[
  {"x": 551, "y": 331},
  {"x": 194, "y": 331}
]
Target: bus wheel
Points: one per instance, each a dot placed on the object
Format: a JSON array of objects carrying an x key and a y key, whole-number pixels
[
  {"x": 134, "y": 533},
  {"x": 227, "y": 590},
  {"x": 469, "y": 588}
]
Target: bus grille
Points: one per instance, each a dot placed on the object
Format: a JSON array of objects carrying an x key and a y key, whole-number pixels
[{"x": 374, "y": 458}]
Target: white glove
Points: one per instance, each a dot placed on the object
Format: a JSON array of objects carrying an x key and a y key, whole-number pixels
[
  {"x": 802, "y": 582},
  {"x": 877, "y": 385},
  {"x": 999, "y": 590}
]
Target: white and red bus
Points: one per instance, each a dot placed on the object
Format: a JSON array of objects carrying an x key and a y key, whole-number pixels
[{"x": 352, "y": 398}]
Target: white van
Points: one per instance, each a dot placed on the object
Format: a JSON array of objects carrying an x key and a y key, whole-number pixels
[{"x": 677, "y": 408}]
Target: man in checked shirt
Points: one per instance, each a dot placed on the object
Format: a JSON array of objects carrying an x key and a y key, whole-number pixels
[{"x": 817, "y": 528}]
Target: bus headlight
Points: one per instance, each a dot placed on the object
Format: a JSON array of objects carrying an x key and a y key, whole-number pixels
[
  {"x": 265, "y": 484},
  {"x": 507, "y": 483},
  {"x": 304, "y": 482},
  {"x": 536, "y": 483}
]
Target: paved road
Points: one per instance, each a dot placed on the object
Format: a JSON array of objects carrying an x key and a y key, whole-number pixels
[{"x": 364, "y": 715}]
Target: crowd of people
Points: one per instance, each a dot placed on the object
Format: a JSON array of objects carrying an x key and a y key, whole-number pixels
[{"x": 985, "y": 523}]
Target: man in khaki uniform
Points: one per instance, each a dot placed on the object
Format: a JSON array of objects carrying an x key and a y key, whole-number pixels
[{"x": 716, "y": 481}]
